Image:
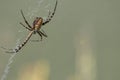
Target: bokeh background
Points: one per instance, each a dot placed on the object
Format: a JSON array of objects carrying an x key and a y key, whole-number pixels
[{"x": 83, "y": 40}]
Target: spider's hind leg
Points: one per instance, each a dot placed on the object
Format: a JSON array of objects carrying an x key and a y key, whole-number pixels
[
  {"x": 8, "y": 50},
  {"x": 43, "y": 33},
  {"x": 40, "y": 35}
]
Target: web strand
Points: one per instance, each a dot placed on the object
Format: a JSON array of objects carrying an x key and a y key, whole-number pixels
[{"x": 6, "y": 70}]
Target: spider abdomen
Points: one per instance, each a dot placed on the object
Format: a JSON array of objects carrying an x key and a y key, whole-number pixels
[{"x": 37, "y": 23}]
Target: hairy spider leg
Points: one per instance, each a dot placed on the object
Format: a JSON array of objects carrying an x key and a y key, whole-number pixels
[
  {"x": 25, "y": 19},
  {"x": 50, "y": 17},
  {"x": 20, "y": 46}
]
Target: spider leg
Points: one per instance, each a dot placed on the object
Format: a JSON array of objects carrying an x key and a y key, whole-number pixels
[
  {"x": 5, "y": 48},
  {"x": 40, "y": 34},
  {"x": 25, "y": 19},
  {"x": 25, "y": 26},
  {"x": 43, "y": 33},
  {"x": 20, "y": 46},
  {"x": 50, "y": 17}
]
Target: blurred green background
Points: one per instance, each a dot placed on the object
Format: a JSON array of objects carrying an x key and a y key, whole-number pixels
[{"x": 82, "y": 44}]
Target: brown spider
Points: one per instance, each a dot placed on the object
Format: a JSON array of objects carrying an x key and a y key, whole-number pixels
[{"x": 35, "y": 28}]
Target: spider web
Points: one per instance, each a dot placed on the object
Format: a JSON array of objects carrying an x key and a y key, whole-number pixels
[{"x": 31, "y": 13}]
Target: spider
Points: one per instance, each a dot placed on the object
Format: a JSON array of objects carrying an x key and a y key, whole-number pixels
[{"x": 35, "y": 28}]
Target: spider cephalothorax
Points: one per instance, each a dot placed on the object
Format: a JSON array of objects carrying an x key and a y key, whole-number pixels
[{"x": 35, "y": 28}]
